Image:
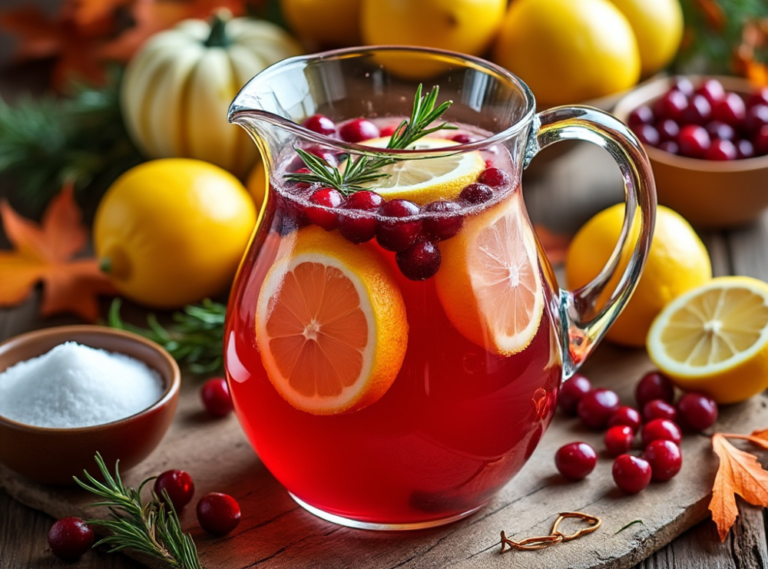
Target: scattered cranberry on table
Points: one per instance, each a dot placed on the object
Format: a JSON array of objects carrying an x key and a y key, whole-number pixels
[
  {"x": 652, "y": 386},
  {"x": 571, "y": 393},
  {"x": 659, "y": 409},
  {"x": 218, "y": 513},
  {"x": 178, "y": 485},
  {"x": 665, "y": 459},
  {"x": 631, "y": 474},
  {"x": 697, "y": 411},
  {"x": 69, "y": 538},
  {"x": 628, "y": 416},
  {"x": 618, "y": 439},
  {"x": 575, "y": 460},
  {"x": 216, "y": 397},
  {"x": 596, "y": 407},
  {"x": 661, "y": 429}
]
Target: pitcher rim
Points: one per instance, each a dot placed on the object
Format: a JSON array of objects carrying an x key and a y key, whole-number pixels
[{"x": 235, "y": 111}]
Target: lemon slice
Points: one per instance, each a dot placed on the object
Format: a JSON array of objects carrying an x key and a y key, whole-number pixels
[
  {"x": 714, "y": 339},
  {"x": 489, "y": 282},
  {"x": 331, "y": 325},
  {"x": 425, "y": 180}
]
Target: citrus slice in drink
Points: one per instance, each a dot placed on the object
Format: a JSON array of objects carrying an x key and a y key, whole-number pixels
[
  {"x": 714, "y": 339},
  {"x": 331, "y": 325},
  {"x": 423, "y": 180},
  {"x": 489, "y": 282}
]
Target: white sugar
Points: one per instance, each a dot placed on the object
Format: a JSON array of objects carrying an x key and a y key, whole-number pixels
[{"x": 77, "y": 386}]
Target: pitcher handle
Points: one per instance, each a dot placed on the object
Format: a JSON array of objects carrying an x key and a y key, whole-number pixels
[{"x": 583, "y": 325}]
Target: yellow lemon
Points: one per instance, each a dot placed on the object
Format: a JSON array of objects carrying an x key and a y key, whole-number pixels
[
  {"x": 714, "y": 339},
  {"x": 677, "y": 263},
  {"x": 658, "y": 27},
  {"x": 171, "y": 232},
  {"x": 569, "y": 51},
  {"x": 257, "y": 184},
  {"x": 331, "y": 325},
  {"x": 327, "y": 22}
]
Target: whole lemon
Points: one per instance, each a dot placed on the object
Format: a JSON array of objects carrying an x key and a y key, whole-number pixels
[
  {"x": 568, "y": 51},
  {"x": 171, "y": 232},
  {"x": 677, "y": 263},
  {"x": 658, "y": 27},
  {"x": 257, "y": 184},
  {"x": 327, "y": 22}
]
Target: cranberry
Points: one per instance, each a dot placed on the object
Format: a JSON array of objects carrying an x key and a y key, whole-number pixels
[
  {"x": 757, "y": 118},
  {"x": 494, "y": 177},
  {"x": 665, "y": 459},
  {"x": 631, "y": 474},
  {"x": 575, "y": 460},
  {"x": 446, "y": 221},
  {"x": 684, "y": 85},
  {"x": 628, "y": 416},
  {"x": 698, "y": 111},
  {"x": 670, "y": 146},
  {"x": 179, "y": 486},
  {"x": 760, "y": 141},
  {"x": 463, "y": 138},
  {"x": 658, "y": 409},
  {"x": 297, "y": 163},
  {"x": 321, "y": 124},
  {"x": 326, "y": 198},
  {"x": 388, "y": 130},
  {"x": 758, "y": 97},
  {"x": 395, "y": 235},
  {"x": 359, "y": 225},
  {"x": 730, "y": 110},
  {"x": 652, "y": 386},
  {"x": 218, "y": 513},
  {"x": 70, "y": 538},
  {"x": 597, "y": 406},
  {"x": 618, "y": 439},
  {"x": 358, "y": 130},
  {"x": 661, "y": 429},
  {"x": 302, "y": 185},
  {"x": 697, "y": 411},
  {"x": 641, "y": 115},
  {"x": 571, "y": 393},
  {"x": 475, "y": 194},
  {"x": 668, "y": 130},
  {"x": 721, "y": 130},
  {"x": 647, "y": 134},
  {"x": 216, "y": 398},
  {"x": 420, "y": 261},
  {"x": 693, "y": 141},
  {"x": 722, "y": 150},
  {"x": 745, "y": 148},
  {"x": 670, "y": 106},
  {"x": 712, "y": 90}
]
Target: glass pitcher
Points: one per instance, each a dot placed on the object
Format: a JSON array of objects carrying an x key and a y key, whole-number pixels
[{"x": 396, "y": 339}]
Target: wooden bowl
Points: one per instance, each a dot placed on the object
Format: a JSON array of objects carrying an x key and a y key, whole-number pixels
[
  {"x": 53, "y": 455},
  {"x": 709, "y": 194}
]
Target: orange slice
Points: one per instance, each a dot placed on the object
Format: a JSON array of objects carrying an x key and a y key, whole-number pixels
[
  {"x": 330, "y": 324},
  {"x": 489, "y": 282}
]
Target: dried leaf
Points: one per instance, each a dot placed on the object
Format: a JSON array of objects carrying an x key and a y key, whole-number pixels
[
  {"x": 44, "y": 253},
  {"x": 555, "y": 245}
]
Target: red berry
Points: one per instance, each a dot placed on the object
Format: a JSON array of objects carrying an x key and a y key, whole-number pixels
[
  {"x": 216, "y": 398},
  {"x": 618, "y": 439},
  {"x": 661, "y": 429},
  {"x": 670, "y": 106},
  {"x": 388, "y": 130},
  {"x": 659, "y": 409},
  {"x": 597, "y": 406},
  {"x": 463, "y": 138},
  {"x": 721, "y": 130},
  {"x": 571, "y": 393},
  {"x": 631, "y": 474},
  {"x": 693, "y": 141},
  {"x": 70, "y": 538},
  {"x": 665, "y": 459},
  {"x": 218, "y": 513},
  {"x": 297, "y": 163},
  {"x": 327, "y": 199},
  {"x": 641, "y": 115},
  {"x": 760, "y": 141},
  {"x": 684, "y": 85},
  {"x": 698, "y": 111},
  {"x": 446, "y": 221},
  {"x": 494, "y": 177},
  {"x": 756, "y": 118},
  {"x": 179, "y": 486},
  {"x": 575, "y": 460},
  {"x": 722, "y": 150},
  {"x": 670, "y": 146},
  {"x": 359, "y": 225},
  {"x": 420, "y": 261},
  {"x": 475, "y": 194},
  {"x": 712, "y": 90},
  {"x": 395, "y": 234},
  {"x": 668, "y": 130},
  {"x": 321, "y": 124},
  {"x": 647, "y": 134},
  {"x": 745, "y": 149},
  {"x": 358, "y": 130},
  {"x": 697, "y": 411},
  {"x": 730, "y": 110},
  {"x": 652, "y": 386},
  {"x": 628, "y": 416},
  {"x": 758, "y": 97}
]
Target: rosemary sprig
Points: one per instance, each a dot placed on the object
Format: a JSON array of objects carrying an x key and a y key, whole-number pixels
[
  {"x": 363, "y": 169},
  {"x": 196, "y": 338},
  {"x": 152, "y": 528}
]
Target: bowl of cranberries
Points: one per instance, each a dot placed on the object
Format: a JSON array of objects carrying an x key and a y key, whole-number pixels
[{"x": 707, "y": 139}]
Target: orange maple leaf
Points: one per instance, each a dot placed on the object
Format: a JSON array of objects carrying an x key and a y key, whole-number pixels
[{"x": 44, "y": 253}]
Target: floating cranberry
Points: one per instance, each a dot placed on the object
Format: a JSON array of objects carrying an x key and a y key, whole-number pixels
[
  {"x": 698, "y": 111},
  {"x": 216, "y": 398},
  {"x": 494, "y": 177},
  {"x": 661, "y": 429},
  {"x": 218, "y": 513},
  {"x": 684, "y": 85},
  {"x": 759, "y": 97},
  {"x": 745, "y": 149},
  {"x": 388, "y": 130},
  {"x": 722, "y": 150},
  {"x": 730, "y": 110},
  {"x": 571, "y": 393},
  {"x": 597, "y": 406},
  {"x": 693, "y": 141},
  {"x": 445, "y": 222},
  {"x": 760, "y": 141},
  {"x": 712, "y": 90},
  {"x": 575, "y": 460},
  {"x": 326, "y": 199},
  {"x": 641, "y": 115},
  {"x": 297, "y": 163},
  {"x": 665, "y": 459},
  {"x": 69, "y": 538},
  {"x": 463, "y": 138},
  {"x": 475, "y": 194},
  {"x": 668, "y": 130},
  {"x": 618, "y": 439},
  {"x": 652, "y": 386},
  {"x": 628, "y": 416},
  {"x": 647, "y": 134},
  {"x": 721, "y": 130},
  {"x": 302, "y": 185},
  {"x": 358, "y": 130},
  {"x": 670, "y": 146},
  {"x": 321, "y": 125},
  {"x": 757, "y": 118},
  {"x": 631, "y": 474},
  {"x": 659, "y": 409},
  {"x": 670, "y": 106},
  {"x": 697, "y": 411},
  {"x": 396, "y": 234},
  {"x": 358, "y": 224},
  {"x": 420, "y": 261},
  {"x": 178, "y": 485}
]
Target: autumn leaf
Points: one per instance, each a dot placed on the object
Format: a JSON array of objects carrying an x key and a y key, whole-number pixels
[
  {"x": 44, "y": 253},
  {"x": 555, "y": 245},
  {"x": 88, "y": 12}
]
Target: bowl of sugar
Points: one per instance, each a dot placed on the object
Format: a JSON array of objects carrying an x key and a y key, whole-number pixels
[{"x": 67, "y": 393}]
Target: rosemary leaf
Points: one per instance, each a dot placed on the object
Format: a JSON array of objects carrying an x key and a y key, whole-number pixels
[{"x": 633, "y": 522}]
